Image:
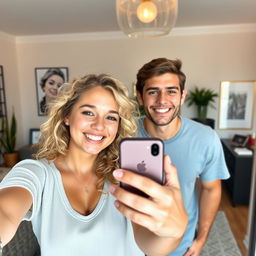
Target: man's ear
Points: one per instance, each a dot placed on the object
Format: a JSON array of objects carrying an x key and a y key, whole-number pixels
[
  {"x": 183, "y": 96},
  {"x": 139, "y": 98}
]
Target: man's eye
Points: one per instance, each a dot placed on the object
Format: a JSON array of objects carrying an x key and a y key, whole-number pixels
[
  {"x": 152, "y": 92},
  {"x": 112, "y": 118},
  {"x": 87, "y": 113},
  {"x": 51, "y": 83},
  {"x": 172, "y": 92}
]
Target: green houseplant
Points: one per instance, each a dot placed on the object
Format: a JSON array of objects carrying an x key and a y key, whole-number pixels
[
  {"x": 202, "y": 98},
  {"x": 8, "y": 141}
]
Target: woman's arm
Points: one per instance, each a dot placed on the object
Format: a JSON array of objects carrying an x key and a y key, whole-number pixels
[
  {"x": 159, "y": 221},
  {"x": 15, "y": 202}
]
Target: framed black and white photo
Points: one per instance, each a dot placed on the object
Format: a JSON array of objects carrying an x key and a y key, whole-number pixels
[
  {"x": 236, "y": 104},
  {"x": 48, "y": 80},
  {"x": 34, "y": 135}
]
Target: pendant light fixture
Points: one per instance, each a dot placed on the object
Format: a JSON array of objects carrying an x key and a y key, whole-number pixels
[{"x": 146, "y": 18}]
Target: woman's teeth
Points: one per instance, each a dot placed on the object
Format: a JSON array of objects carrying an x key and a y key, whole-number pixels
[{"x": 94, "y": 137}]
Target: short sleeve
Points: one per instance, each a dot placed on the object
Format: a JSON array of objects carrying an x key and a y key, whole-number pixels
[
  {"x": 28, "y": 174},
  {"x": 215, "y": 166}
]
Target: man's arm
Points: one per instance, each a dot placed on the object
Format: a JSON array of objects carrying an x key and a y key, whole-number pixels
[{"x": 210, "y": 196}]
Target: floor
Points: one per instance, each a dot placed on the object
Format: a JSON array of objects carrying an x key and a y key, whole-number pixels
[{"x": 237, "y": 217}]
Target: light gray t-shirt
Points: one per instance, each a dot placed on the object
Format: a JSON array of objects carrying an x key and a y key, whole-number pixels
[
  {"x": 197, "y": 153},
  {"x": 61, "y": 230}
]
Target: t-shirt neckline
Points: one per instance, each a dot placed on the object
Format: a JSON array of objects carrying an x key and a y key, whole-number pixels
[
  {"x": 177, "y": 135},
  {"x": 68, "y": 205}
]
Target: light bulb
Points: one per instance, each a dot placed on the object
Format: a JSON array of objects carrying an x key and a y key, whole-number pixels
[{"x": 146, "y": 11}]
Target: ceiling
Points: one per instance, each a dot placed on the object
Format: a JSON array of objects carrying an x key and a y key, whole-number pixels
[{"x": 36, "y": 17}]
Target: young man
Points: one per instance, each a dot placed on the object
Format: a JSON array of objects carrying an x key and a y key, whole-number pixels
[{"x": 195, "y": 149}]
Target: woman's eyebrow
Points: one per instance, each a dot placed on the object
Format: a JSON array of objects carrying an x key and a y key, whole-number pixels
[
  {"x": 93, "y": 106},
  {"x": 113, "y": 112},
  {"x": 87, "y": 105}
]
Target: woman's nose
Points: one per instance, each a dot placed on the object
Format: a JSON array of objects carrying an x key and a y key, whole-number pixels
[{"x": 98, "y": 124}]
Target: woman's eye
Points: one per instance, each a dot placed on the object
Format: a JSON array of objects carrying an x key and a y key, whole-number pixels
[
  {"x": 112, "y": 118},
  {"x": 87, "y": 113}
]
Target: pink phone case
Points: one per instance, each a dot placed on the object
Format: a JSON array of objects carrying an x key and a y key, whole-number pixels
[{"x": 139, "y": 155}]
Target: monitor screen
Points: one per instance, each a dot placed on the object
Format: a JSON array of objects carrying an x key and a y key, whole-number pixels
[{"x": 240, "y": 140}]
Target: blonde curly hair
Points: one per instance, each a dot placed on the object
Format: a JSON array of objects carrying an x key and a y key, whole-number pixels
[{"x": 55, "y": 135}]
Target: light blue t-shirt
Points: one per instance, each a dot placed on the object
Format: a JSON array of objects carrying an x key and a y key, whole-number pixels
[
  {"x": 59, "y": 229},
  {"x": 196, "y": 151}
]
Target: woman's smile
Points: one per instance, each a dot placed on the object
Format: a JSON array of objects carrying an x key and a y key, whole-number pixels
[{"x": 94, "y": 138}]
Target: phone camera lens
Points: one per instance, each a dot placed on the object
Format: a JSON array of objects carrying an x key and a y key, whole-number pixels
[{"x": 154, "y": 149}]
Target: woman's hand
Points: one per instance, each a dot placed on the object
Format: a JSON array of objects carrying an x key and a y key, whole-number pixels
[{"x": 163, "y": 213}]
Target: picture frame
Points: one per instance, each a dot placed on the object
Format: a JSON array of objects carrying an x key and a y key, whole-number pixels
[
  {"x": 34, "y": 135},
  {"x": 240, "y": 140},
  {"x": 48, "y": 80},
  {"x": 236, "y": 104}
]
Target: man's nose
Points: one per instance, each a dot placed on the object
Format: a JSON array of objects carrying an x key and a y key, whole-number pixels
[{"x": 162, "y": 97}]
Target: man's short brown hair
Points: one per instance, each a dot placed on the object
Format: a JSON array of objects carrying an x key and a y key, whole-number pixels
[{"x": 157, "y": 67}]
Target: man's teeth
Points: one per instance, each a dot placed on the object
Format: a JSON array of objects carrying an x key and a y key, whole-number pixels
[
  {"x": 162, "y": 110},
  {"x": 93, "y": 137}
]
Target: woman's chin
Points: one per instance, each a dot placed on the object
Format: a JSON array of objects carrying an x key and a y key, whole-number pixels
[{"x": 93, "y": 151}]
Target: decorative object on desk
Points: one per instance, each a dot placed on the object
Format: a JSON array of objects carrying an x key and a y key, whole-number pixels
[
  {"x": 221, "y": 241},
  {"x": 252, "y": 140},
  {"x": 48, "y": 80},
  {"x": 146, "y": 18},
  {"x": 236, "y": 104},
  {"x": 243, "y": 151},
  {"x": 240, "y": 140},
  {"x": 8, "y": 141},
  {"x": 34, "y": 135},
  {"x": 202, "y": 98}
]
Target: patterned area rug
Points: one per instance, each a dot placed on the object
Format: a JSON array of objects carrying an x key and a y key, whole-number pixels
[{"x": 221, "y": 241}]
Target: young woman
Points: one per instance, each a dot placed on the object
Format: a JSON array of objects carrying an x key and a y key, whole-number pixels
[
  {"x": 70, "y": 193},
  {"x": 50, "y": 83}
]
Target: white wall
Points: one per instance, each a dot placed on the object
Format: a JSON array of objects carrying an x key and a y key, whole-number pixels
[
  {"x": 207, "y": 60},
  {"x": 8, "y": 59}
]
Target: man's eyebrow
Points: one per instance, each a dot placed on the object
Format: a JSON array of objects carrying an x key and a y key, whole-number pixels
[
  {"x": 93, "y": 106},
  {"x": 167, "y": 88},
  {"x": 152, "y": 88}
]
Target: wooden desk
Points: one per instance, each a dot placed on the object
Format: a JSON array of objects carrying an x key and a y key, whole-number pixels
[{"x": 240, "y": 169}]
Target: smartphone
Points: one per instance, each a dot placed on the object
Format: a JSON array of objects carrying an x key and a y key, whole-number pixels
[{"x": 143, "y": 156}]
